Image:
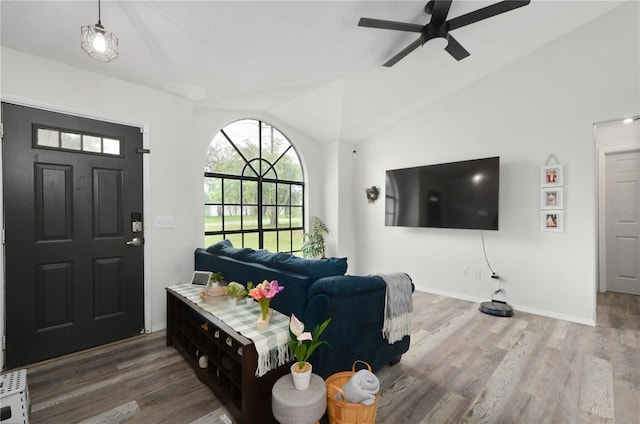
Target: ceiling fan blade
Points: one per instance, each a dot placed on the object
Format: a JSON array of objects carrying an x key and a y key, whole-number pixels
[
  {"x": 411, "y": 47},
  {"x": 455, "y": 49},
  {"x": 398, "y": 26},
  {"x": 485, "y": 12},
  {"x": 440, "y": 10}
]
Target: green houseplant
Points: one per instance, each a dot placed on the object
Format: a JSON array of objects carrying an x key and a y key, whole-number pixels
[
  {"x": 313, "y": 244},
  {"x": 234, "y": 291},
  {"x": 216, "y": 278},
  {"x": 303, "y": 344}
]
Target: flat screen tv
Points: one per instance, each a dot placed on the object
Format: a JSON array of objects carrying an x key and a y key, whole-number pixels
[{"x": 447, "y": 195}]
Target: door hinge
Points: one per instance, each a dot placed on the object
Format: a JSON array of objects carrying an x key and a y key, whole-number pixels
[
  {"x": 141, "y": 150},
  {"x": 1, "y": 130},
  {"x": 4, "y": 342},
  {"x": 3, "y": 236}
]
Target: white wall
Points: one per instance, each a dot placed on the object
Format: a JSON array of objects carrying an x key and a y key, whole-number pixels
[
  {"x": 168, "y": 124},
  {"x": 545, "y": 103}
]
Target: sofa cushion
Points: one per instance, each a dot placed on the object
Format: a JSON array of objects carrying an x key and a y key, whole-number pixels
[
  {"x": 260, "y": 256},
  {"x": 314, "y": 268},
  {"x": 219, "y": 246},
  {"x": 247, "y": 254},
  {"x": 225, "y": 248}
]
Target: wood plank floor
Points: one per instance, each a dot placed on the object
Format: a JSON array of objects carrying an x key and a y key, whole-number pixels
[{"x": 463, "y": 367}]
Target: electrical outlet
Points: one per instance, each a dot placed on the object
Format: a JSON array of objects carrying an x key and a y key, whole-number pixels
[
  {"x": 477, "y": 273},
  {"x": 465, "y": 271}
]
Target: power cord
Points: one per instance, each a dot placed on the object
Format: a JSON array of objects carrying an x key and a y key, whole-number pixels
[
  {"x": 493, "y": 273},
  {"x": 494, "y": 307}
]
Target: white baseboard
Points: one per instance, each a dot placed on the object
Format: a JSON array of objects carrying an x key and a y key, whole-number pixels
[
  {"x": 529, "y": 310},
  {"x": 159, "y": 327}
]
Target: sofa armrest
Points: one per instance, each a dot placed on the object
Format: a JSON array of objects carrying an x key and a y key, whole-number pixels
[{"x": 356, "y": 306}]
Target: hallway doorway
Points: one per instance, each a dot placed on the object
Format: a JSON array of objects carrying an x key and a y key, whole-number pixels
[{"x": 618, "y": 151}]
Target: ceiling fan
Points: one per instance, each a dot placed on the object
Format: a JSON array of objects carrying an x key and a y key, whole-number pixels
[{"x": 439, "y": 26}]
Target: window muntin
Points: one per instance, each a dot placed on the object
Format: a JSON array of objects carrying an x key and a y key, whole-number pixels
[
  {"x": 254, "y": 188},
  {"x": 53, "y": 138}
]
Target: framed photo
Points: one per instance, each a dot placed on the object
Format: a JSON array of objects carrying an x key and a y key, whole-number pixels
[
  {"x": 551, "y": 198},
  {"x": 200, "y": 278},
  {"x": 551, "y": 176},
  {"x": 551, "y": 221}
]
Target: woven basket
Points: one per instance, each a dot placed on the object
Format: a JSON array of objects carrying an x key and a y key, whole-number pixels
[{"x": 341, "y": 412}]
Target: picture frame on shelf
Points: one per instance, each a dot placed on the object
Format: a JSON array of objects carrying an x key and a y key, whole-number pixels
[
  {"x": 551, "y": 198},
  {"x": 552, "y": 220},
  {"x": 552, "y": 176},
  {"x": 200, "y": 278}
]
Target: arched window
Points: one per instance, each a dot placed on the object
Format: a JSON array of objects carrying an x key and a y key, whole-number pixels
[{"x": 253, "y": 188}]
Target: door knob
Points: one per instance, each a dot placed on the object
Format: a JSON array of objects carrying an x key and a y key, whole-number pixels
[{"x": 137, "y": 241}]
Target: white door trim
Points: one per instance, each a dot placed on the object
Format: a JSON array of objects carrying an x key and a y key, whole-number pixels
[{"x": 602, "y": 259}]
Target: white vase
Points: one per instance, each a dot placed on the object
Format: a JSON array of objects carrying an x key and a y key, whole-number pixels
[
  {"x": 302, "y": 377},
  {"x": 249, "y": 300},
  {"x": 232, "y": 301}
]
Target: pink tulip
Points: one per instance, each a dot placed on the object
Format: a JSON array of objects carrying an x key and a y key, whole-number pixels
[
  {"x": 256, "y": 294},
  {"x": 270, "y": 289}
]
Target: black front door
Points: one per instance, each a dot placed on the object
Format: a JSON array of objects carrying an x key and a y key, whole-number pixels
[{"x": 74, "y": 252}]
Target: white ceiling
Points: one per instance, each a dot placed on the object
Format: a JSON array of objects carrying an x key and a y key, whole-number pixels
[{"x": 305, "y": 62}]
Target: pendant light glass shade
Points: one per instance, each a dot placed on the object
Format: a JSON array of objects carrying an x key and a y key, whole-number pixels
[{"x": 99, "y": 44}]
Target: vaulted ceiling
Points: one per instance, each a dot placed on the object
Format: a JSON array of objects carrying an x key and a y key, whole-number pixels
[{"x": 305, "y": 62}]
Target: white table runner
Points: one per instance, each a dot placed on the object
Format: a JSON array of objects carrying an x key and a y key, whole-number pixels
[{"x": 271, "y": 344}]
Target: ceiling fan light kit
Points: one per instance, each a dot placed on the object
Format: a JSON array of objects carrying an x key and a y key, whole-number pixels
[
  {"x": 438, "y": 28},
  {"x": 98, "y": 43}
]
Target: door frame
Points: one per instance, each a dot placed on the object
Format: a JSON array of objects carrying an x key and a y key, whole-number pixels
[
  {"x": 602, "y": 242},
  {"x": 146, "y": 202}
]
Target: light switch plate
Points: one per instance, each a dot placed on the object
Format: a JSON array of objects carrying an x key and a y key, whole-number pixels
[{"x": 165, "y": 221}]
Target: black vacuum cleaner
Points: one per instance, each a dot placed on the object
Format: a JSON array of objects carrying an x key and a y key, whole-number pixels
[{"x": 497, "y": 308}]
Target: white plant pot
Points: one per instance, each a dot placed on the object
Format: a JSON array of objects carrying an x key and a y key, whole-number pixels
[
  {"x": 232, "y": 301},
  {"x": 301, "y": 379},
  {"x": 249, "y": 301}
]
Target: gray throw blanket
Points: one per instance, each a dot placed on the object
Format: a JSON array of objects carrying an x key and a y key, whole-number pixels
[
  {"x": 398, "y": 306},
  {"x": 361, "y": 388}
]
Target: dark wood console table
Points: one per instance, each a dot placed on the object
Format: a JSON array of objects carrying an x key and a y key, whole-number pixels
[{"x": 231, "y": 359}]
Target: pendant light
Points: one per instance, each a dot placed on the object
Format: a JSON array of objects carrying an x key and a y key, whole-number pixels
[{"x": 100, "y": 44}]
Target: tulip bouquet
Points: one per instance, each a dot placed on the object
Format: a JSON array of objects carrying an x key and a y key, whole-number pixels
[
  {"x": 263, "y": 293},
  {"x": 304, "y": 343}
]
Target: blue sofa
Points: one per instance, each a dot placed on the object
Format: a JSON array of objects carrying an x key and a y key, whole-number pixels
[{"x": 314, "y": 291}]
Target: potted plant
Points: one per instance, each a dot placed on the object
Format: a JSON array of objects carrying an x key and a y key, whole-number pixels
[
  {"x": 248, "y": 298},
  {"x": 303, "y": 344},
  {"x": 215, "y": 279},
  {"x": 214, "y": 282},
  {"x": 235, "y": 291},
  {"x": 313, "y": 244}
]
